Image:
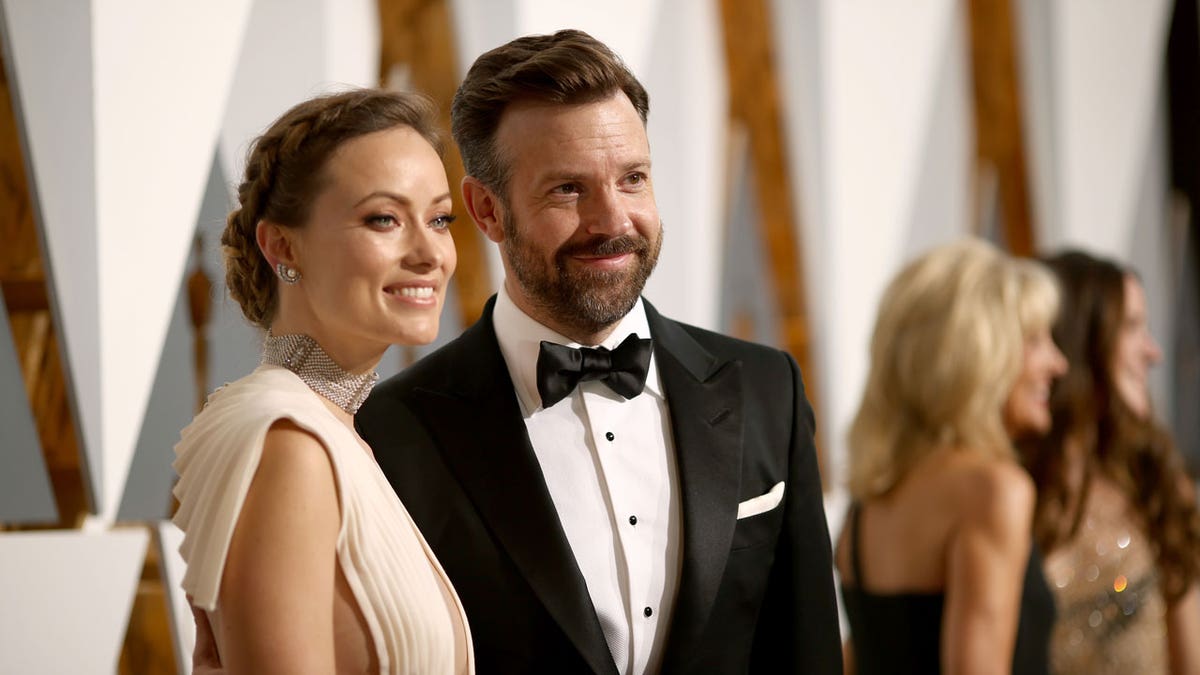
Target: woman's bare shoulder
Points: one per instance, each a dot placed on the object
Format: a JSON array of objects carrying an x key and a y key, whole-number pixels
[{"x": 987, "y": 490}]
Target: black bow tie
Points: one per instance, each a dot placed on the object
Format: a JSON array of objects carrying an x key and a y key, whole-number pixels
[{"x": 623, "y": 369}]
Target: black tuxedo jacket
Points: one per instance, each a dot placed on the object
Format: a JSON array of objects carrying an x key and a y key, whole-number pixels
[{"x": 755, "y": 595}]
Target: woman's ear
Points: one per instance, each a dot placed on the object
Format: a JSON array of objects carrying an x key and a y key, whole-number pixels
[
  {"x": 485, "y": 208},
  {"x": 275, "y": 242}
]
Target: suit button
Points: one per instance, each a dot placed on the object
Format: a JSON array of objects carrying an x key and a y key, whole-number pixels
[
  {"x": 609, "y": 435},
  {"x": 647, "y": 612},
  {"x": 633, "y": 520}
]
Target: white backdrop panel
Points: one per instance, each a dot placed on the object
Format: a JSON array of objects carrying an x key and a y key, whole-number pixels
[
  {"x": 173, "y": 567},
  {"x": 293, "y": 50},
  {"x": 1109, "y": 60},
  {"x": 66, "y": 599},
  {"x": 352, "y": 40},
  {"x": 882, "y": 62},
  {"x": 162, "y": 75},
  {"x": 626, "y": 26}
]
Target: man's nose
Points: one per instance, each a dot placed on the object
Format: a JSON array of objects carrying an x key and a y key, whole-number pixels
[{"x": 607, "y": 212}]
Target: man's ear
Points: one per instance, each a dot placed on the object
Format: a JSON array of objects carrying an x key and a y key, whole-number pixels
[
  {"x": 485, "y": 208},
  {"x": 275, "y": 242}
]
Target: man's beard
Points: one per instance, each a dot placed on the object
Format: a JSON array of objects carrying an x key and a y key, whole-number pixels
[{"x": 586, "y": 300}]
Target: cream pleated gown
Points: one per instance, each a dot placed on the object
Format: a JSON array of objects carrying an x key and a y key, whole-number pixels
[{"x": 415, "y": 620}]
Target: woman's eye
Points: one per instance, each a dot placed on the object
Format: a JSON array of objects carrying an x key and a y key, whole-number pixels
[
  {"x": 382, "y": 221},
  {"x": 442, "y": 222}
]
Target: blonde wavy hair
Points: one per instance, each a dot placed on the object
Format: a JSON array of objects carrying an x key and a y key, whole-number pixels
[{"x": 947, "y": 348}]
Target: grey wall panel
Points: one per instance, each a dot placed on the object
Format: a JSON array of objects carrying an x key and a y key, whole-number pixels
[
  {"x": 147, "y": 494},
  {"x": 233, "y": 344},
  {"x": 747, "y": 290},
  {"x": 1154, "y": 253},
  {"x": 941, "y": 195},
  {"x": 25, "y": 493},
  {"x": 49, "y": 50},
  {"x": 1035, "y": 32}
]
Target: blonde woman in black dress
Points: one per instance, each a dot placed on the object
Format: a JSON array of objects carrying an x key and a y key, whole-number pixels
[{"x": 937, "y": 569}]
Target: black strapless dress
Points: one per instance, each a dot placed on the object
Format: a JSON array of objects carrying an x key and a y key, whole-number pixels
[{"x": 897, "y": 633}]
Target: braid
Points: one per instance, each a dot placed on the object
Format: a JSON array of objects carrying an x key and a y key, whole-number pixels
[{"x": 248, "y": 275}]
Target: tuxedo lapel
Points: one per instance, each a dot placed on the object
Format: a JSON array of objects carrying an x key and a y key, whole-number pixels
[
  {"x": 704, "y": 396},
  {"x": 503, "y": 479}
]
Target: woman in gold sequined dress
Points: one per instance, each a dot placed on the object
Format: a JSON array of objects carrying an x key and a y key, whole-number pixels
[{"x": 1116, "y": 512}]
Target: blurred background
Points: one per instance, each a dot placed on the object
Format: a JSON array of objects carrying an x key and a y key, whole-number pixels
[{"x": 803, "y": 150}]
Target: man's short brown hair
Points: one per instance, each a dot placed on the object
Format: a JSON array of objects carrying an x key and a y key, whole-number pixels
[{"x": 568, "y": 67}]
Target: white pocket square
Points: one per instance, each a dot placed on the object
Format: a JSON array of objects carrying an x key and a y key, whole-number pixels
[{"x": 761, "y": 503}]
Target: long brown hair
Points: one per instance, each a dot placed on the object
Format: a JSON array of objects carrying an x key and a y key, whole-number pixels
[{"x": 1136, "y": 453}]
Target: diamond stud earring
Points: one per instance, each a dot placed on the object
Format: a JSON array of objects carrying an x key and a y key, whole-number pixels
[{"x": 289, "y": 275}]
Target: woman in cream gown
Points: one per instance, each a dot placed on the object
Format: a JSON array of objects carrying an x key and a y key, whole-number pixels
[{"x": 300, "y": 558}]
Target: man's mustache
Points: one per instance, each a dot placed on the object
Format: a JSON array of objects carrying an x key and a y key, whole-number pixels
[{"x": 606, "y": 246}]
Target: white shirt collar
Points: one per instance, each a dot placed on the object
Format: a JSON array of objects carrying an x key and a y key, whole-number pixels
[{"x": 520, "y": 337}]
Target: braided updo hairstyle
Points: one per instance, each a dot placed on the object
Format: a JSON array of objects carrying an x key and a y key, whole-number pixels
[{"x": 285, "y": 172}]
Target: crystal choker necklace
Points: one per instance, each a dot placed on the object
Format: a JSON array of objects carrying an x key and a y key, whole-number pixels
[{"x": 304, "y": 357}]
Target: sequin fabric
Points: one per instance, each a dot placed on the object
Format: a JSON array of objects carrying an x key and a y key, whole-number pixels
[
  {"x": 303, "y": 356},
  {"x": 1110, "y": 611}
]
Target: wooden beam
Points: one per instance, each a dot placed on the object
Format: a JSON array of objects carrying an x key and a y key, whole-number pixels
[
  {"x": 23, "y": 283},
  {"x": 418, "y": 38},
  {"x": 999, "y": 140},
  {"x": 754, "y": 103}
]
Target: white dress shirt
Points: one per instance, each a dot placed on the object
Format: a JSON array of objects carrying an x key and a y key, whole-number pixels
[{"x": 609, "y": 464}]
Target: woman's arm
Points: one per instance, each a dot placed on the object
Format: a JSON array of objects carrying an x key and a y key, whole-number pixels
[
  {"x": 277, "y": 590},
  {"x": 987, "y": 555},
  {"x": 1183, "y": 633}
]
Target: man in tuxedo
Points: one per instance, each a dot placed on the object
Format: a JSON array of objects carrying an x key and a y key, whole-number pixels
[{"x": 609, "y": 491}]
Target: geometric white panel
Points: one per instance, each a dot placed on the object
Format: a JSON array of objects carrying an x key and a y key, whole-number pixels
[
  {"x": 172, "y": 568},
  {"x": 1109, "y": 70},
  {"x": 626, "y": 26},
  {"x": 352, "y": 39},
  {"x": 50, "y": 56},
  {"x": 480, "y": 25},
  {"x": 66, "y": 598},
  {"x": 295, "y": 49},
  {"x": 162, "y": 74},
  {"x": 881, "y": 68}
]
